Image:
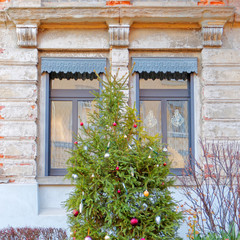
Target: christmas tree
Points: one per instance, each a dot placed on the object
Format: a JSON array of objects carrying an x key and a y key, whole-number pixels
[{"x": 120, "y": 174}]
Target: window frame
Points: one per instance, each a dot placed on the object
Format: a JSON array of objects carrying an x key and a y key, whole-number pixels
[
  {"x": 73, "y": 95},
  {"x": 185, "y": 95}
]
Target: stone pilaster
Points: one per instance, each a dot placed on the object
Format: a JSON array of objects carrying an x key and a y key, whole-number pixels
[
  {"x": 119, "y": 55},
  {"x": 118, "y": 41}
]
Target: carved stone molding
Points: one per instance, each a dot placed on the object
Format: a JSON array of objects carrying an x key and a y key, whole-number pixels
[
  {"x": 27, "y": 35},
  {"x": 119, "y": 35},
  {"x": 212, "y": 33}
]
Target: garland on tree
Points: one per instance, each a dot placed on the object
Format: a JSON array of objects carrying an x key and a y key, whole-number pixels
[{"x": 120, "y": 174}]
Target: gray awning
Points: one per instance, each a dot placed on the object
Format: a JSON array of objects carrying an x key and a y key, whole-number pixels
[
  {"x": 172, "y": 65},
  {"x": 73, "y": 65}
]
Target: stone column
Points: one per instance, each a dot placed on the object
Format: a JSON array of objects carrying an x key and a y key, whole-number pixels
[{"x": 119, "y": 54}]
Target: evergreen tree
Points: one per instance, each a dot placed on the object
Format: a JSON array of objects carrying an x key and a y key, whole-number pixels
[{"x": 120, "y": 175}]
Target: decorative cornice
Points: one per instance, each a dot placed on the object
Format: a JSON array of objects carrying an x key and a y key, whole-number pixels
[
  {"x": 119, "y": 35},
  {"x": 212, "y": 33},
  {"x": 134, "y": 13},
  {"x": 27, "y": 35}
]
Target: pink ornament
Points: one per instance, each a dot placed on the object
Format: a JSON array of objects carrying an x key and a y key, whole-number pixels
[
  {"x": 135, "y": 125},
  {"x": 162, "y": 183},
  {"x": 117, "y": 168},
  {"x": 119, "y": 191},
  {"x": 142, "y": 238},
  {"x": 75, "y": 212},
  {"x": 75, "y": 142},
  {"x": 134, "y": 221},
  {"x": 81, "y": 123},
  {"x": 87, "y": 238},
  {"x": 74, "y": 238},
  {"x": 114, "y": 124}
]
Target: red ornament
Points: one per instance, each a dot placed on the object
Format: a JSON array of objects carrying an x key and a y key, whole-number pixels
[
  {"x": 81, "y": 123},
  {"x": 165, "y": 164},
  {"x": 135, "y": 125},
  {"x": 162, "y": 183},
  {"x": 117, "y": 168},
  {"x": 119, "y": 191},
  {"x": 75, "y": 142},
  {"x": 114, "y": 124},
  {"x": 134, "y": 221},
  {"x": 75, "y": 212}
]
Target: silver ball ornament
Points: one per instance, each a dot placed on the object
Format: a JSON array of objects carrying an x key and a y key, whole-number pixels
[
  {"x": 74, "y": 176},
  {"x": 81, "y": 207},
  {"x": 158, "y": 220},
  {"x": 106, "y": 237},
  {"x": 87, "y": 238},
  {"x": 107, "y": 155},
  {"x": 165, "y": 149}
]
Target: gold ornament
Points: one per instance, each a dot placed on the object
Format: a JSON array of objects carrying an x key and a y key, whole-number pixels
[{"x": 146, "y": 193}]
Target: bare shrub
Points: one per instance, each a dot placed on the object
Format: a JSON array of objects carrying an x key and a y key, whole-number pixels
[
  {"x": 211, "y": 185},
  {"x": 32, "y": 234}
]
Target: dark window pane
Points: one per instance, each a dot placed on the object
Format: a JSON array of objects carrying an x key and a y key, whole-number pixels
[
  {"x": 61, "y": 133},
  {"x": 162, "y": 84},
  {"x": 178, "y": 132},
  {"x": 74, "y": 84},
  {"x": 150, "y": 112}
]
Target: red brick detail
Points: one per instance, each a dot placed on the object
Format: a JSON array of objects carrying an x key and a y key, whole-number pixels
[
  {"x": 202, "y": 3},
  {"x": 207, "y": 118},
  {"x": 1, "y": 137},
  {"x": 1, "y": 156},
  {"x": 33, "y": 106},
  {"x": 1, "y": 164},
  {"x": 3, "y": 0},
  {"x": 1, "y": 50},
  {"x": 27, "y": 138},
  {"x": 217, "y": 3},
  {"x": 1, "y": 107},
  {"x": 211, "y": 2},
  {"x": 114, "y": 3},
  {"x": 11, "y": 181},
  {"x": 24, "y": 164},
  {"x": 1, "y": 117}
]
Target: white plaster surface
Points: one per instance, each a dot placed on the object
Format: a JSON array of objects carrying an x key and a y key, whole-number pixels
[
  {"x": 19, "y": 206},
  {"x": 164, "y": 38},
  {"x": 73, "y": 39}
]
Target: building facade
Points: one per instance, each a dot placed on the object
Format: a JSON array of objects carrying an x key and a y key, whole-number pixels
[{"x": 185, "y": 84}]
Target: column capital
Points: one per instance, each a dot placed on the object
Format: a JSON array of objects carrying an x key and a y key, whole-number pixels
[
  {"x": 27, "y": 34},
  {"x": 212, "y": 31},
  {"x": 119, "y": 35}
]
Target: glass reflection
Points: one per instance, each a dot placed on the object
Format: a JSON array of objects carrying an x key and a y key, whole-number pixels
[{"x": 61, "y": 133}]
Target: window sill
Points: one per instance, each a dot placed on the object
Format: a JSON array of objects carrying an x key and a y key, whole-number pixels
[
  {"x": 60, "y": 180},
  {"x": 53, "y": 180}
]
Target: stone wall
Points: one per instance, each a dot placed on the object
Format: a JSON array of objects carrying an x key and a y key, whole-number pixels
[{"x": 18, "y": 109}]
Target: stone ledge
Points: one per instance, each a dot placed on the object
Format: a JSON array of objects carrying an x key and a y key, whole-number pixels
[
  {"x": 53, "y": 180},
  {"x": 128, "y": 14}
]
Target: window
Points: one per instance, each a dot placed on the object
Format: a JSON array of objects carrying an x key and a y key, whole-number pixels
[
  {"x": 165, "y": 104},
  {"x": 70, "y": 84}
]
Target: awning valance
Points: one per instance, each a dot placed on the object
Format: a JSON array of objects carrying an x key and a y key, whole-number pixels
[
  {"x": 73, "y": 65},
  {"x": 165, "y": 65}
]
